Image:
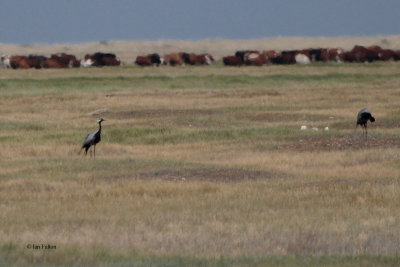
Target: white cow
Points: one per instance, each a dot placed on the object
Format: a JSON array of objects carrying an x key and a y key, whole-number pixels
[
  {"x": 5, "y": 62},
  {"x": 86, "y": 63},
  {"x": 302, "y": 59}
]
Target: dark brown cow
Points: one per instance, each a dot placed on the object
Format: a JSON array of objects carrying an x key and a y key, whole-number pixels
[
  {"x": 255, "y": 59},
  {"x": 384, "y": 54},
  {"x": 70, "y": 60},
  {"x": 19, "y": 62},
  {"x": 61, "y": 60},
  {"x": 36, "y": 61},
  {"x": 316, "y": 54},
  {"x": 348, "y": 56},
  {"x": 363, "y": 54},
  {"x": 245, "y": 53},
  {"x": 397, "y": 52},
  {"x": 334, "y": 54},
  {"x": 252, "y": 57},
  {"x": 306, "y": 52},
  {"x": 110, "y": 61},
  {"x": 232, "y": 61},
  {"x": 324, "y": 57},
  {"x": 208, "y": 57},
  {"x": 285, "y": 57},
  {"x": 189, "y": 58},
  {"x": 100, "y": 59},
  {"x": 271, "y": 54},
  {"x": 54, "y": 63},
  {"x": 149, "y": 60},
  {"x": 23, "y": 62},
  {"x": 195, "y": 59},
  {"x": 375, "y": 48},
  {"x": 204, "y": 59},
  {"x": 143, "y": 61},
  {"x": 388, "y": 54}
]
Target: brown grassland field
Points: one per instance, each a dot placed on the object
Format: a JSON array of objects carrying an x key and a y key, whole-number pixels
[{"x": 201, "y": 166}]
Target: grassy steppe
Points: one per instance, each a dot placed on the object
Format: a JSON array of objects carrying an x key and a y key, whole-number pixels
[{"x": 201, "y": 166}]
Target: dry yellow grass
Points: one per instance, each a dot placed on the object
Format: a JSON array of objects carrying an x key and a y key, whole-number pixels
[{"x": 207, "y": 167}]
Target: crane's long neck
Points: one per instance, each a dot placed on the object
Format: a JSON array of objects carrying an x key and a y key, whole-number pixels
[{"x": 99, "y": 126}]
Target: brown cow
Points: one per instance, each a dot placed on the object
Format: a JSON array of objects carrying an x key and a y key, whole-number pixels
[
  {"x": 100, "y": 59},
  {"x": 54, "y": 63},
  {"x": 209, "y": 59},
  {"x": 149, "y": 60},
  {"x": 335, "y": 54},
  {"x": 195, "y": 59},
  {"x": 324, "y": 57},
  {"x": 232, "y": 61},
  {"x": 348, "y": 56},
  {"x": 255, "y": 59},
  {"x": 271, "y": 54},
  {"x": 174, "y": 59},
  {"x": 110, "y": 61},
  {"x": 243, "y": 54},
  {"x": 203, "y": 59},
  {"x": 384, "y": 54},
  {"x": 36, "y": 61},
  {"x": 375, "y": 48},
  {"x": 19, "y": 62},
  {"x": 397, "y": 52},
  {"x": 61, "y": 60},
  {"x": 363, "y": 54},
  {"x": 26, "y": 62},
  {"x": 23, "y": 62},
  {"x": 69, "y": 60},
  {"x": 285, "y": 57},
  {"x": 189, "y": 58},
  {"x": 143, "y": 61}
]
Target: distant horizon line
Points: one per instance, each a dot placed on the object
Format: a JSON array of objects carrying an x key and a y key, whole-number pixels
[{"x": 212, "y": 39}]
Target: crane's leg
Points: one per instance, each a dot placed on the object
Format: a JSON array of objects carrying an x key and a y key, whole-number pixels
[
  {"x": 94, "y": 153},
  {"x": 366, "y": 132},
  {"x": 363, "y": 129}
]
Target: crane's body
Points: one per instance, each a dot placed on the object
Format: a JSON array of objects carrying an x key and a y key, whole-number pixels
[
  {"x": 362, "y": 119},
  {"x": 92, "y": 139}
]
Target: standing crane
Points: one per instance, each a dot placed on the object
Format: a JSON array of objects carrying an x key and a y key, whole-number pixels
[
  {"x": 362, "y": 119},
  {"x": 92, "y": 139}
]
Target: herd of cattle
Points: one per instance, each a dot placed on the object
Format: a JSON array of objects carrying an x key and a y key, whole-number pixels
[
  {"x": 359, "y": 54},
  {"x": 60, "y": 60},
  {"x": 245, "y": 57}
]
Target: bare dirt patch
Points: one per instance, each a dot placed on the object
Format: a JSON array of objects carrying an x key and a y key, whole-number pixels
[
  {"x": 224, "y": 175},
  {"x": 383, "y": 123},
  {"x": 284, "y": 117},
  {"x": 209, "y": 174},
  {"x": 341, "y": 143}
]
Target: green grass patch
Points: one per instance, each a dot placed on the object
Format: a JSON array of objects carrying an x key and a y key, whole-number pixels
[
  {"x": 87, "y": 84},
  {"x": 167, "y": 135}
]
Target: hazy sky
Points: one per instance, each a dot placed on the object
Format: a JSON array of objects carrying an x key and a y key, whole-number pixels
[{"x": 75, "y": 21}]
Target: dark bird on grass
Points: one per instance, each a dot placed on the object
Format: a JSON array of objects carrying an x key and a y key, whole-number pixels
[
  {"x": 92, "y": 140},
  {"x": 362, "y": 119}
]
